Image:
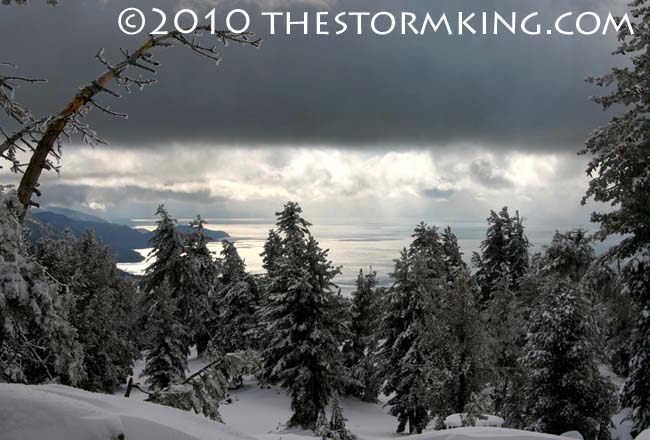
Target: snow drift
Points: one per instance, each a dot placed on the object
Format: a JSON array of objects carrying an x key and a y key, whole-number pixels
[{"x": 57, "y": 412}]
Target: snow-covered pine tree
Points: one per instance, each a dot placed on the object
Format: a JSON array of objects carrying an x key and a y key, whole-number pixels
[
  {"x": 272, "y": 251},
  {"x": 302, "y": 320},
  {"x": 410, "y": 330},
  {"x": 233, "y": 267},
  {"x": 103, "y": 307},
  {"x": 460, "y": 315},
  {"x": 636, "y": 392},
  {"x": 271, "y": 255},
  {"x": 361, "y": 349},
  {"x": 620, "y": 171},
  {"x": 504, "y": 251},
  {"x": 36, "y": 340},
  {"x": 453, "y": 257},
  {"x": 617, "y": 314},
  {"x": 506, "y": 327},
  {"x": 167, "y": 356},
  {"x": 337, "y": 429},
  {"x": 167, "y": 265},
  {"x": 570, "y": 254},
  {"x": 238, "y": 304},
  {"x": 566, "y": 391},
  {"x": 186, "y": 263},
  {"x": 166, "y": 255},
  {"x": 199, "y": 302},
  {"x": 468, "y": 363},
  {"x": 475, "y": 409}
]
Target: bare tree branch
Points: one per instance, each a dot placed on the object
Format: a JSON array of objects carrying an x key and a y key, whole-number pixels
[{"x": 68, "y": 121}]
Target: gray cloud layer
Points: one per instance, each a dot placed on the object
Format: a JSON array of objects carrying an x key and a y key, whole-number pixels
[{"x": 507, "y": 92}]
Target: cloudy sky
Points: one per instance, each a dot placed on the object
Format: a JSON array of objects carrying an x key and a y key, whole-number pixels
[{"x": 433, "y": 127}]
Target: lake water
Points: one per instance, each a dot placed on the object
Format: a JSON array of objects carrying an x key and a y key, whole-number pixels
[{"x": 353, "y": 245}]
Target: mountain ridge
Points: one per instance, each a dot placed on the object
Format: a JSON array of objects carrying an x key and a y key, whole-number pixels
[{"x": 122, "y": 239}]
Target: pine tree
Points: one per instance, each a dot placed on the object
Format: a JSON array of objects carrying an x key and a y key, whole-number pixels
[
  {"x": 474, "y": 410},
  {"x": 301, "y": 317},
  {"x": 410, "y": 330},
  {"x": 636, "y": 392},
  {"x": 198, "y": 302},
  {"x": 238, "y": 304},
  {"x": 233, "y": 268},
  {"x": 37, "y": 342},
  {"x": 166, "y": 254},
  {"x": 337, "y": 429},
  {"x": 360, "y": 350},
  {"x": 453, "y": 257},
  {"x": 620, "y": 171},
  {"x": 185, "y": 261},
  {"x": 272, "y": 251},
  {"x": 103, "y": 307},
  {"x": 469, "y": 358},
  {"x": 167, "y": 358},
  {"x": 570, "y": 254},
  {"x": 566, "y": 390},
  {"x": 503, "y": 252},
  {"x": 507, "y": 331}
]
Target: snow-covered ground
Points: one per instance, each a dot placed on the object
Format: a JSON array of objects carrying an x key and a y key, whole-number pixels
[{"x": 56, "y": 412}]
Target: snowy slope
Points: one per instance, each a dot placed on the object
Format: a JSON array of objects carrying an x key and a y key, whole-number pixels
[
  {"x": 56, "y": 412},
  {"x": 259, "y": 413}
]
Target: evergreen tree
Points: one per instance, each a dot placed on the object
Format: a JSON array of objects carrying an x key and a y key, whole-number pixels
[
  {"x": 301, "y": 317},
  {"x": 503, "y": 252},
  {"x": 620, "y": 171},
  {"x": 272, "y": 251},
  {"x": 410, "y": 330},
  {"x": 636, "y": 393},
  {"x": 459, "y": 312},
  {"x": 166, "y": 254},
  {"x": 467, "y": 365},
  {"x": 167, "y": 357},
  {"x": 507, "y": 331},
  {"x": 566, "y": 390},
  {"x": 103, "y": 307},
  {"x": 570, "y": 254},
  {"x": 238, "y": 303},
  {"x": 37, "y": 343},
  {"x": 617, "y": 314},
  {"x": 474, "y": 410},
  {"x": 453, "y": 257},
  {"x": 337, "y": 429},
  {"x": 185, "y": 261},
  {"x": 233, "y": 268},
  {"x": 199, "y": 302},
  {"x": 360, "y": 350}
]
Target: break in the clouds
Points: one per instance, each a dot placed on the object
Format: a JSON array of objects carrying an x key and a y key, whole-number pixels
[
  {"x": 349, "y": 91},
  {"x": 436, "y": 185}
]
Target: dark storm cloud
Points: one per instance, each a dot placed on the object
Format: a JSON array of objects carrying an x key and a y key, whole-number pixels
[
  {"x": 483, "y": 172},
  {"x": 436, "y": 193},
  {"x": 80, "y": 195},
  {"x": 505, "y": 92}
]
